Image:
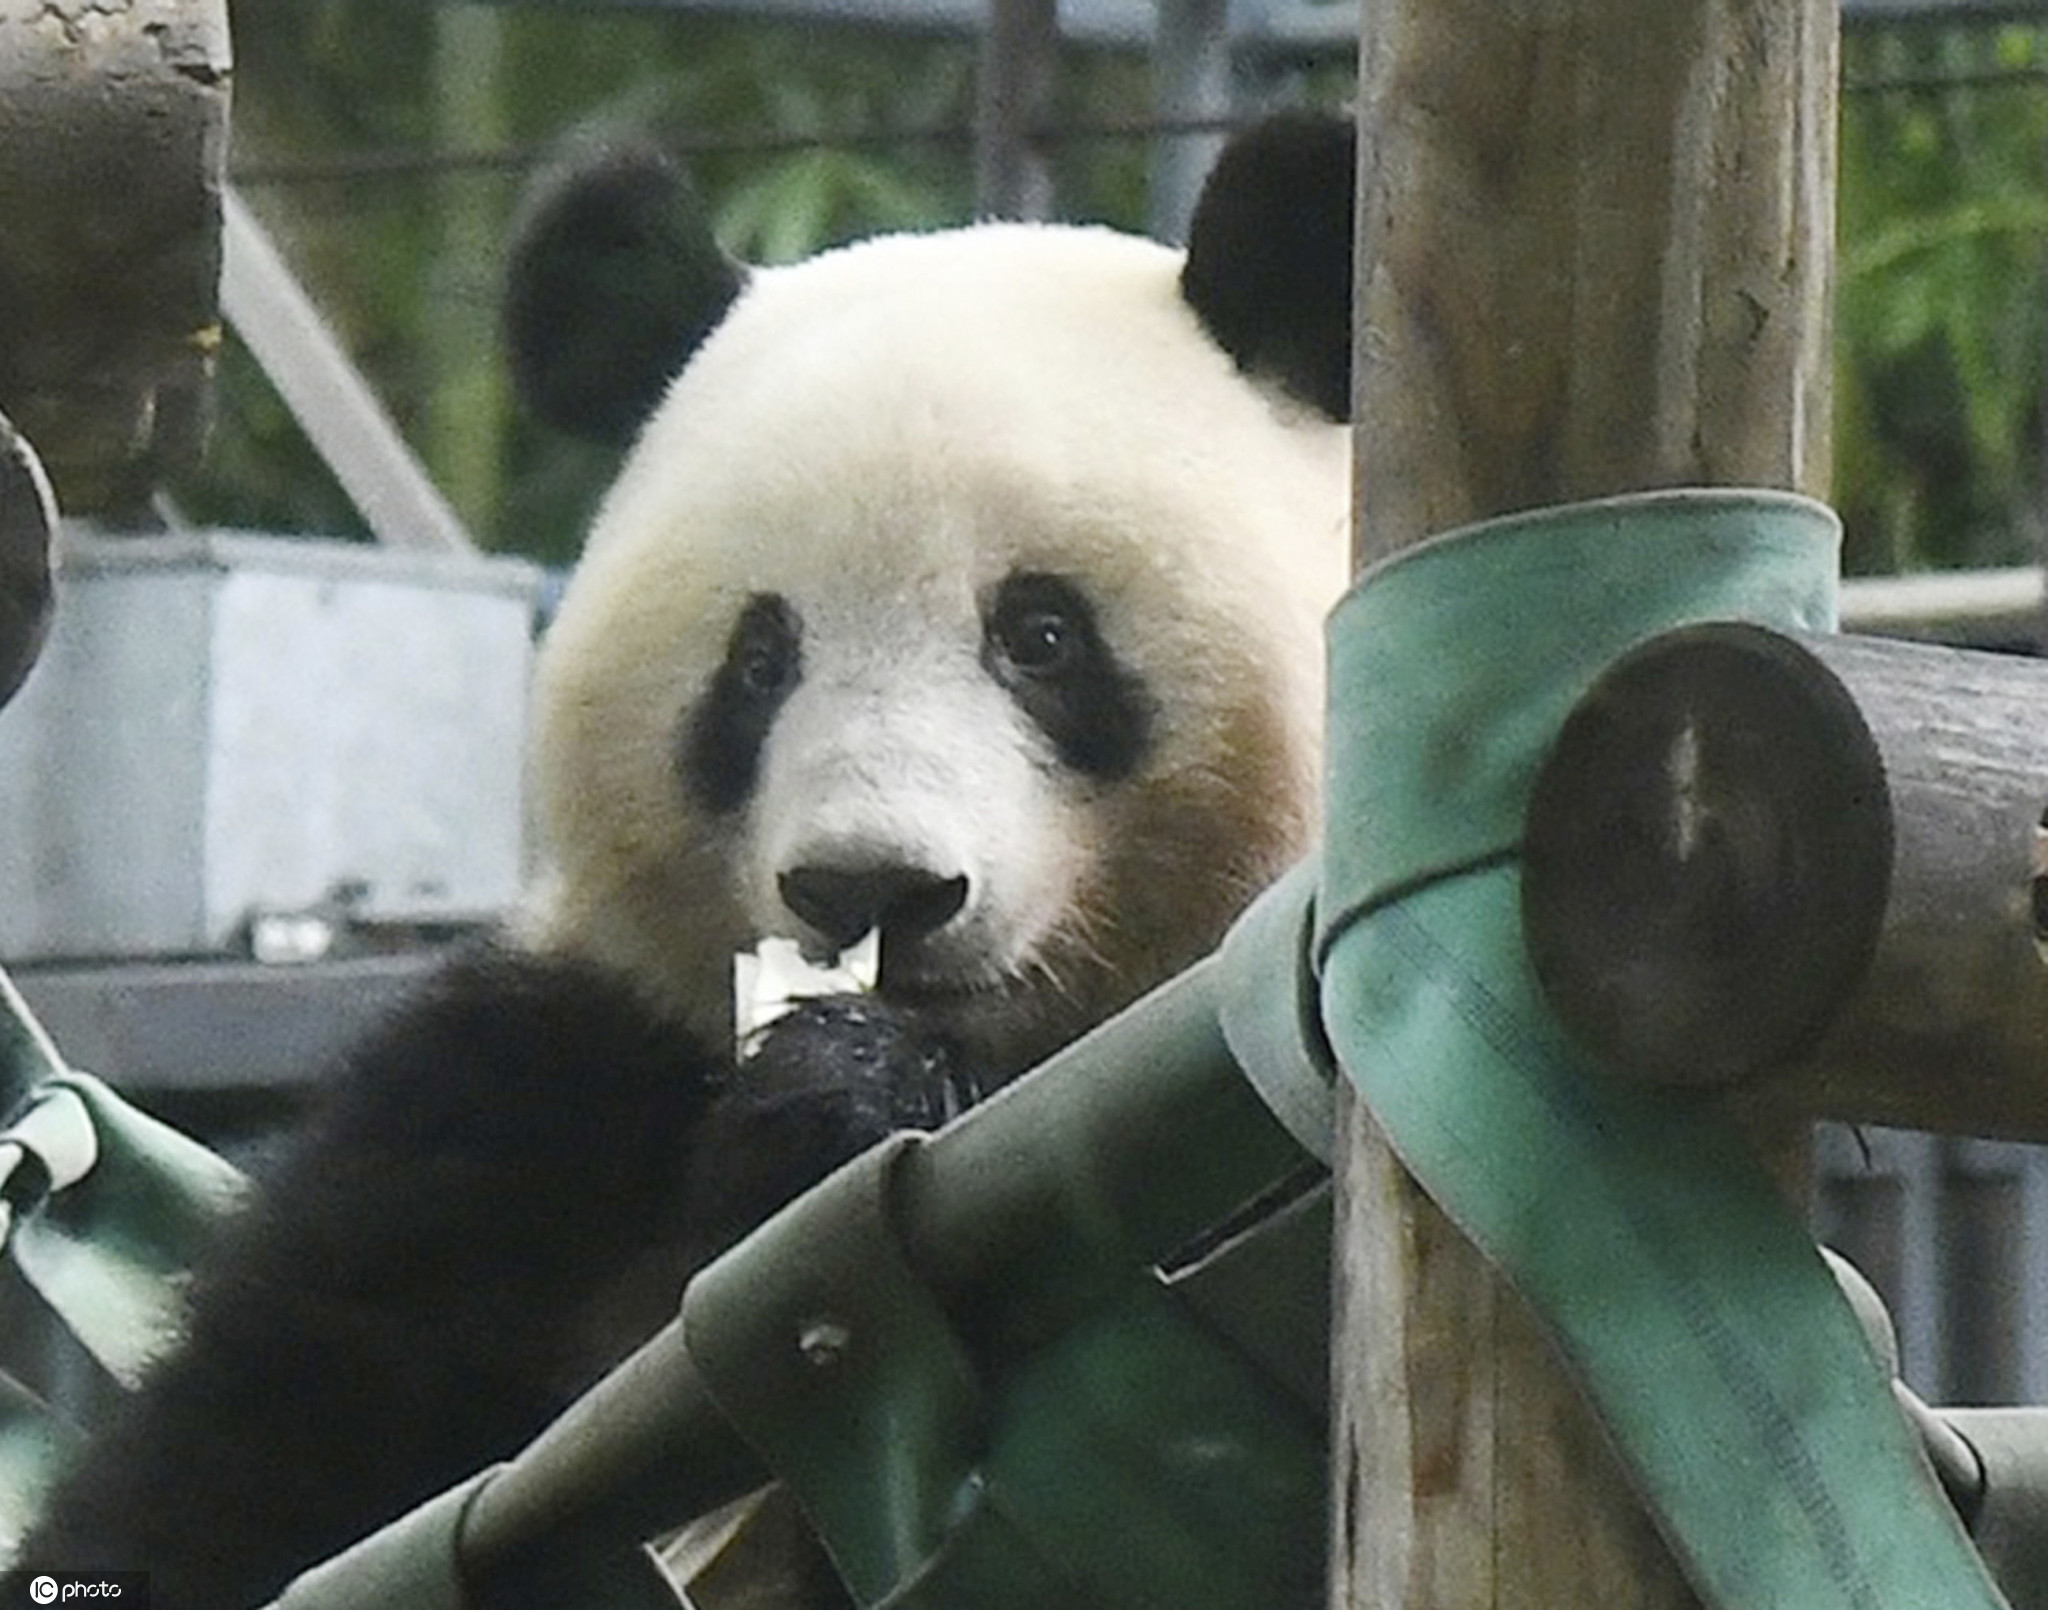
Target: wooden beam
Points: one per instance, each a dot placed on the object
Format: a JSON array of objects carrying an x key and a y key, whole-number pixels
[
  {"x": 1815, "y": 876},
  {"x": 1595, "y": 247},
  {"x": 1596, "y": 241},
  {"x": 28, "y": 522},
  {"x": 113, "y": 140}
]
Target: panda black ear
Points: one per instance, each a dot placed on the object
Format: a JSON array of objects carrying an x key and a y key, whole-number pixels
[
  {"x": 1268, "y": 268},
  {"x": 612, "y": 281}
]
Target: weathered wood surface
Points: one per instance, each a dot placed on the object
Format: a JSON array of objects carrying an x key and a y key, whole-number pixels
[
  {"x": 1595, "y": 246},
  {"x": 28, "y": 518},
  {"x": 1597, "y": 239},
  {"x": 113, "y": 140},
  {"x": 1830, "y": 901},
  {"x": 1948, "y": 1029},
  {"x": 1706, "y": 856}
]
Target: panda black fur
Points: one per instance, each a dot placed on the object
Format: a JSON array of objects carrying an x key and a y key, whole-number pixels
[{"x": 967, "y": 586}]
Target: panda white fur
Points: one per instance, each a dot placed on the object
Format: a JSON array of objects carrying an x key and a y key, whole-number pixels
[{"x": 965, "y": 586}]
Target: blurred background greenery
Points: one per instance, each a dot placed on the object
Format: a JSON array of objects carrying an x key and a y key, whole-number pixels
[
  {"x": 1940, "y": 337},
  {"x": 386, "y": 141}
]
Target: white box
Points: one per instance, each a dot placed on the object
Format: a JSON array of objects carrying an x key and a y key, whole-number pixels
[{"x": 224, "y": 726}]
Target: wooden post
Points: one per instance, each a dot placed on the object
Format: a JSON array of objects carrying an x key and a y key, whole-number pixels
[
  {"x": 1809, "y": 867},
  {"x": 28, "y": 520},
  {"x": 113, "y": 141},
  {"x": 1595, "y": 245}
]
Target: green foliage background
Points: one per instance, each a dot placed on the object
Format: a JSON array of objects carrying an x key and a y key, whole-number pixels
[
  {"x": 386, "y": 142},
  {"x": 1940, "y": 335}
]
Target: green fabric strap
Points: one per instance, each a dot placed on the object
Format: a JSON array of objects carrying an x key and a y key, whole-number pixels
[
  {"x": 415, "y": 1563},
  {"x": 411, "y": 1564},
  {"x": 1693, "y": 1306},
  {"x": 103, "y": 1209},
  {"x": 1131, "y": 1457}
]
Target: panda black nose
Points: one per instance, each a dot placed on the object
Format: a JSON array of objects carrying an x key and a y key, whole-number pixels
[{"x": 905, "y": 902}]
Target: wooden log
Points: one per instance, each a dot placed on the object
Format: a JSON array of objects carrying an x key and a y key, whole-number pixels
[
  {"x": 113, "y": 141},
  {"x": 1595, "y": 247},
  {"x": 1817, "y": 875},
  {"x": 1596, "y": 242},
  {"x": 28, "y": 520}
]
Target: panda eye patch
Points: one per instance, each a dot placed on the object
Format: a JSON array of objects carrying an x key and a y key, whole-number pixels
[
  {"x": 1041, "y": 642},
  {"x": 720, "y": 750}
]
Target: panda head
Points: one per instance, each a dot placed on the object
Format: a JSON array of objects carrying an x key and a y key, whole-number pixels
[{"x": 965, "y": 586}]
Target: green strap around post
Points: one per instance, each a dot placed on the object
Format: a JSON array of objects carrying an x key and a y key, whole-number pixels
[{"x": 1692, "y": 1304}]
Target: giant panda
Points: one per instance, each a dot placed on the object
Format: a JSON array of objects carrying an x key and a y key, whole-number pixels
[{"x": 962, "y": 587}]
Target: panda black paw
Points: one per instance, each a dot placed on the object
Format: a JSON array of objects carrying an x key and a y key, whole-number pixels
[
  {"x": 820, "y": 1085},
  {"x": 881, "y": 1064}
]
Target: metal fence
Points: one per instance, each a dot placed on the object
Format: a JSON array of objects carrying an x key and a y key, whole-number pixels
[{"x": 1954, "y": 1234}]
